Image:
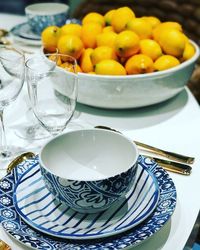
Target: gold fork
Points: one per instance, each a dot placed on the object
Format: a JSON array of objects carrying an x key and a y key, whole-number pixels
[
  {"x": 167, "y": 154},
  {"x": 172, "y": 166},
  {"x": 12, "y": 165}
]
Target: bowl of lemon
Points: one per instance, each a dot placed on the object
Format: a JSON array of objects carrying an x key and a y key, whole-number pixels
[{"x": 124, "y": 61}]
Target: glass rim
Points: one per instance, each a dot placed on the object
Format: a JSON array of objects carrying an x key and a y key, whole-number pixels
[
  {"x": 12, "y": 48},
  {"x": 45, "y": 56}
]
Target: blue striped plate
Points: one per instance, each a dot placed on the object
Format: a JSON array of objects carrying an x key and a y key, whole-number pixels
[{"x": 38, "y": 208}]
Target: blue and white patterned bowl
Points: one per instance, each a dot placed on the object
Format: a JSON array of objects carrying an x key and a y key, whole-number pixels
[
  {"x": 89, "y": 169},
  {"x": 42, "y": 15}
]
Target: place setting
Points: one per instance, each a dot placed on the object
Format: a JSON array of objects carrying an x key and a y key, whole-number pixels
[
  {"x": 87, "y": 187},
  {"x": 39, "y": 16},
  {"x": 94, "y": 185},
  {"x": 42, "y": 207}
]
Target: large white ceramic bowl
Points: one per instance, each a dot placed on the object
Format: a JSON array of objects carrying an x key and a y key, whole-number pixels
[
  {"x": 89, "y": 169},
  {"x": 132, "y": 91}
]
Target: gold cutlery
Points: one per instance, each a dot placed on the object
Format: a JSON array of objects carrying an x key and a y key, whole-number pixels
[
  {"x": 19, "y": 159},
  {"x": 11, "y": 166},
  {"x": 3, "y": 33},
  {"x": 167, "y": 154},
  {"x": 5, "y": 41},
  {"x": 4, "y": 246},
  {"x": 172, "y": 166}
]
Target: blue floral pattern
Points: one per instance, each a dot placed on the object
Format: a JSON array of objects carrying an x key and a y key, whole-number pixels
[
  {"x": 39, "y": 23},
  {"x": 90, "y": 196},
  {"x": 17, "y": 228}
]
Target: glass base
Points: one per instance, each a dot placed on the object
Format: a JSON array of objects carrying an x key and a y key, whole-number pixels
[
  {"x": 30, "y": 129},
  {"x": 32, "y": 132},
  {"x": 10, "y": 153}
]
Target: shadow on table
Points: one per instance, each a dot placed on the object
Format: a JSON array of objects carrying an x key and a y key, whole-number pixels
[{"x": 136, "y": 118}]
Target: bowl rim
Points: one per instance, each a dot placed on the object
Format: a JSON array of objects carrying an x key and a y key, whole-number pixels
[
  {"x": 148, "y": 75},
  {"x": 41, "y": 163},
  {"x": 51, "y": 11}
]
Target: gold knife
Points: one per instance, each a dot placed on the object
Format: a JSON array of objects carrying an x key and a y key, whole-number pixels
[
  {"x": 167, "y": 154},
  {"x": 172, "y": 166}
]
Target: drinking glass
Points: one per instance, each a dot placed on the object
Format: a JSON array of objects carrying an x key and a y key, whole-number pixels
[
  {"x": 52, "y": 90},
  {"x": 31, "y": 129},
  {"x": 12, "y": 74}
]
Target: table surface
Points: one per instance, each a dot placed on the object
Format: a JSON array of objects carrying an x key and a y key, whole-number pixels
[{"x": 172, "y": 125}]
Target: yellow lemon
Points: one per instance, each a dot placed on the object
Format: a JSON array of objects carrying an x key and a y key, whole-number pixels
[
  {"x": 150, "y": 48},
  {"x": 50, "y": 37},
  {"x": 106, "y": 39},
  {"x": 127, "y": 43},
  {"x": 172, "y": 42},
  {"x": 70, "y": 45},
  {"x": 71, "y": 29},
  {"x": 85, "y": 61},
  {"x": 152, "y": 20},
  {"x": 165, "y": 25},
  {"x": 166, "y": 62},
  {"x": 108, "y": 17},
  {"x": 102, "y": 53},
  {"x": 94, "y": 17},
  {"x": 139, "y": 64},
  {"x": 120, "y": 18},
  {"x": 107, "y": 29},
  {"x": 89, "y": 34},
  {"x": 70, "y": 67},
  {"x": 140, "y": 26},
  {"x": 109, "y": 67},
  {"x": 56, "y": 59},
  {"x": 188, "y": 52}
]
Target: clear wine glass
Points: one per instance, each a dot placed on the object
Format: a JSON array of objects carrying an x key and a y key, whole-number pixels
[
  {"x": 31, "y": 129},
  {"x": 12, "y": 74},
  {"x": 52, "y": 90}
]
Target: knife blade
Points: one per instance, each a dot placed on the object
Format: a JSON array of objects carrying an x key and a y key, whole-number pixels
[{"x": 172, "y": 166}]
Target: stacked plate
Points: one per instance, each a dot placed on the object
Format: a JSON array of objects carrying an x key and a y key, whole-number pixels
[
  {"x": 34, "y": 217},
  {"x": 23, "y": 33}
]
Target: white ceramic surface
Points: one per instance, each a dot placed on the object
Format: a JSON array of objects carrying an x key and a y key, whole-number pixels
[
  {"x": 42, "y": 211},
  {"x": 89, "y": 169},
  {"x": 88, "y": 154},
  {"x": 132, "y": 91},
  {"x": 178, "y": 115},
  {"x": 22, "y": 33},
  {"x": 15, "y": 226},
  {"x": 46, "y": 8}
]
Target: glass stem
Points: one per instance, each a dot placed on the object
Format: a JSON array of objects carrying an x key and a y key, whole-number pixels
[{"x": 3, "y": 134}]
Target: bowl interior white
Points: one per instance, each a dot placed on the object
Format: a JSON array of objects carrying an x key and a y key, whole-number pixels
[
  {"x": 88, "y": 155},
  {"x": 46, "y": 8}
]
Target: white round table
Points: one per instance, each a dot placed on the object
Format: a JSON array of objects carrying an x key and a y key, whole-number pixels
[{"x": 172, "y": 125}]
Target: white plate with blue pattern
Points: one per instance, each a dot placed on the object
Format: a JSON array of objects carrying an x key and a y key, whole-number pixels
[
  {"x": 40, "y": 209},
  {"x": 14, "y": 225},
  {"x": 23, "y": 33}
]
